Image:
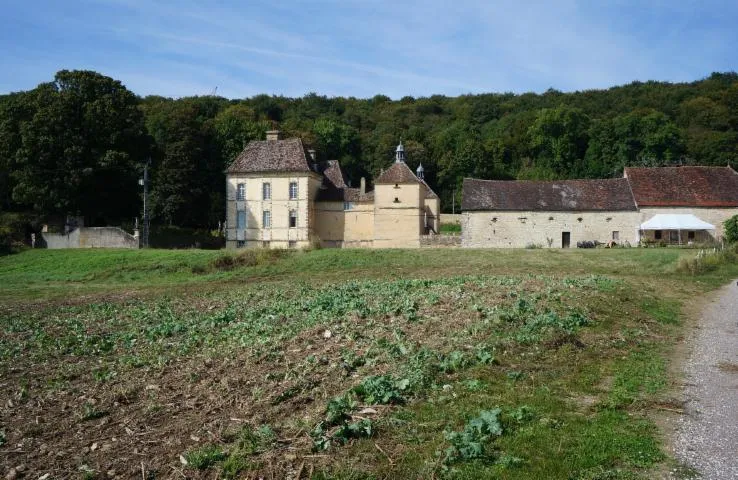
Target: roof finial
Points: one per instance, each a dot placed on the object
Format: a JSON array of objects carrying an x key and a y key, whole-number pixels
[
  {"x": 400, "y": 153},
  {"x": 420, "y": 172}
]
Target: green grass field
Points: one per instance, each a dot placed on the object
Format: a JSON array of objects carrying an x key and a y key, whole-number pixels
[{"x": 350, "y": 364}]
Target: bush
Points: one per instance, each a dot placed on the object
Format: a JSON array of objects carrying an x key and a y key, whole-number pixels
[
  {"x": 730, "y": 229},
  {"x": 708, "y": 260}
]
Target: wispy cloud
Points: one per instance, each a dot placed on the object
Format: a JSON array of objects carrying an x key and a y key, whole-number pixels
[{"x": 361, "y": 48}]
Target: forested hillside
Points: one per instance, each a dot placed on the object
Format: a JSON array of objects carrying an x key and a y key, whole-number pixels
[{"x": 78, "y": 143}]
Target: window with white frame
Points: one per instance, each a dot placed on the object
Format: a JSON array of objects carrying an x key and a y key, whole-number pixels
[
  {"x": 241, "y": 191},
  {"x": 293, "y": 190},
  {"x": 266, "y": 219},
  {"x": 266, "y": 191},
  {"x": 241, "y": 220},
  {"x": 293, "y": 218}
]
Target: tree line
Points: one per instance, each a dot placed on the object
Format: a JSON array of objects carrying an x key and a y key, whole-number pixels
[{"x": 77, "y": 144}]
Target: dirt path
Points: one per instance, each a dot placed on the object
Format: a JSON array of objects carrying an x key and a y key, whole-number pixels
[{"x": 706, "y": 436}]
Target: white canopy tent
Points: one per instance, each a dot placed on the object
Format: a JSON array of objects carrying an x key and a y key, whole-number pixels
[{"x": 675, "y": 222}]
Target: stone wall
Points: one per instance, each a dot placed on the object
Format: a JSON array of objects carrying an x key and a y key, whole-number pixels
[
  {"x": 443, "y": 240},
  {"x": 501, "y": 229},
  {"x": 91, "y": 237}
]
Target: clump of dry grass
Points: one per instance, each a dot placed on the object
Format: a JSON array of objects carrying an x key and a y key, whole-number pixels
[{"x": 249, "y": 258}]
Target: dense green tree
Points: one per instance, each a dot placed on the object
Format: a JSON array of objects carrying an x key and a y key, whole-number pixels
[
  {"x": 80, "y": 147},
  {"x": 559, "y": 138},
  {"x": 61, "y": 140}
]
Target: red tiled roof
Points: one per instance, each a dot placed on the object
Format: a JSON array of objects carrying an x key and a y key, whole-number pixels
[
  {"x": 271, "y": 156},
  {"x": 562, "y": 195},
  {"x": 684, "y": 186}
]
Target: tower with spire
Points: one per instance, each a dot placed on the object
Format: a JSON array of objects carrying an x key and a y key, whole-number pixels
[{"x": 400, "y": 153}]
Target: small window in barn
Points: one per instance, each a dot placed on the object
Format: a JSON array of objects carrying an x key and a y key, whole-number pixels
[
  {"x": 690, "y": 235},
  {"x": 241, "y": 192},
  {"x": 657, "y": 234},
  {"x": 579, "y": 219},
  {"x": 550, "y": 218},
  {"x": 615, "y": 236},
  {"x": 293, "y": 190},
  {"x": 293, "y": 218},
  {"x": 266, "y": 191}
]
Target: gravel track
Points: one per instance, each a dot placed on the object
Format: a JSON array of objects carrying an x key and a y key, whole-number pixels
[{"x": 706, "y": 436}]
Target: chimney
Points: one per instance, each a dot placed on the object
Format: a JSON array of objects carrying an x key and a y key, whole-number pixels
[
  {"x": 273, "y": 135},
  {"x": 362, "y": 186}
]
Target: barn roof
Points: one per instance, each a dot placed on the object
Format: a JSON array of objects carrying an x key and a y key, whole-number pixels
[
  {"x": 271, "y": 156},
  {"x": 684, "y": 186},
  {"x": 559, "y": 195}
]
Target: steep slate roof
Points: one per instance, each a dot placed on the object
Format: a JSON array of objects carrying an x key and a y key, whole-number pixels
[
  {"x": 562, "y": 195},
  {"x": 684, "y": 186},
  {"x": 399, "y": 172},
  {"x": 271, "y": 156}
]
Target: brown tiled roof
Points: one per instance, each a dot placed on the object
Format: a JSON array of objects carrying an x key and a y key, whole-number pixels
[
  {"x": 271, "y": 156},
  {"x": 333, "y": 173},
  {"x": 397, "y": 173},
  {"x": 346, "y": 194},
  {"x": 684, "y": 186},
  {"x": 429, "y": 193},
  {"x": 335, "y": 187},
  {"x": 563, "y": 195}
]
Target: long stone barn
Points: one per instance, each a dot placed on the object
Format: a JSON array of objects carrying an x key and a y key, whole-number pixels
[{"x": 669, "y": 205}]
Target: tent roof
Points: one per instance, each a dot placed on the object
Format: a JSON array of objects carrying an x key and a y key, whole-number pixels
[{"x": 673, "y": 221}]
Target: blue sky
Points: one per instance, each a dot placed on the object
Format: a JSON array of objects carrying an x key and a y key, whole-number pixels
[{"x": 364, "y": 47}]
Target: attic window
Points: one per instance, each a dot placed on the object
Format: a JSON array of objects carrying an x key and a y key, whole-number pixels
[
  {"x": 608, "y": 219},
  {"x": 397, "y": 185},
  {"x": 494, "y": 219},
  {"x": 522, "y": 219},
  {"x": 550, "y": 218},
  {"x": 579, "y": 219}
]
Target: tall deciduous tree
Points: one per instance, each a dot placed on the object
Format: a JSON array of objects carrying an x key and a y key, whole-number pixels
[{"x": 79, "y": 150}]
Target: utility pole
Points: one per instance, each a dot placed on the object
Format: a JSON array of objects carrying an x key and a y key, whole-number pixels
[{"x": 145, "y": 183}]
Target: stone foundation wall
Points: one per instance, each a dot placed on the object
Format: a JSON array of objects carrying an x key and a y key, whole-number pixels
[
  {"x": 435, "y": 241},
  {"x": 91, "y": 237}
]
